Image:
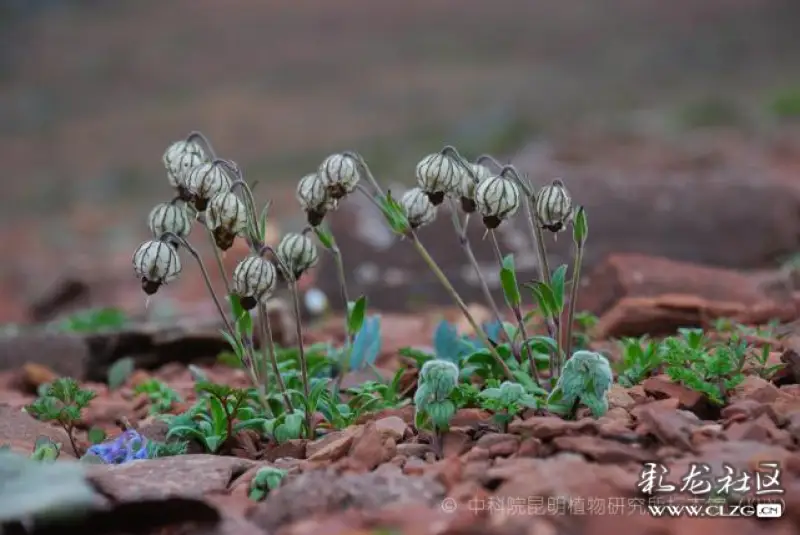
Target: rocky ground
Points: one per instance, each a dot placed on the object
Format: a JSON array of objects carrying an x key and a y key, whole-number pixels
[{"x": 542, "y": 474}]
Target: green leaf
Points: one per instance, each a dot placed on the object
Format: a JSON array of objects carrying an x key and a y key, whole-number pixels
[
  {"x": 394, "y": 214},
  {"x": 41, "y": 490},
  {"x": 557, "y": 284},
  {"x": 580, "y": 227},
  {"x": 96, "y": 435},
  {"x": 542, "y": 344},
  {"x": 213, "y": 442},
  {"x": 508, "y": 279},
  {"x": 119, "y": 372},
  {"x": 243, "y": 319},
  {"x": 325, "y": 236},
  {"x": 545, "y": 298},
  {"x": 355, "y": 315}
]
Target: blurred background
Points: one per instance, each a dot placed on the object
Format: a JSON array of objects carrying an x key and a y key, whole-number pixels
[{"x": 92, "y": 93}]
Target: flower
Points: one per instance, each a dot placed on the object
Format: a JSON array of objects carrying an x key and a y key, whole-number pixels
[
  {"x": 226, "y": 218},
  {"x": 339, "y": 174},
  {"x": 129, "y": 446},
  {"x": 554, "y": 206},
  {"x": 170, "y": 217},
  {"x": 206, "y": 180},
  {"x": 254, "y": 280},
  {"x": 466, "y": 186},
  {"x": 298, "y": 253},
  {"x": 496, "y": 198},
  {"x": 179, "y": 158},
  {"x": 438, "y": 174},
  {"x": 312, "y": 194},
  {"x": 418, "y": 207},
  {"x": 156, "y": 263}
]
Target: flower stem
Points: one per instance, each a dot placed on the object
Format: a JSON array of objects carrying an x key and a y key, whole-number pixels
[
  {"x": 573, "y": 299},
  {"x": 199, "y": 136},
  {"x": 365, "y": 170},
  {"x": 463, "y": 240},
  {"x": 301, "y": 353},
  {"x": 518, "y": 316},
  {"x": 460, "y": 303},
  {"x": 268, "y": 344}
]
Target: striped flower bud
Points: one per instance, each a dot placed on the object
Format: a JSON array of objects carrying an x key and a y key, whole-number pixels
[
  {"x": 496, "y": 198},
  {"x": 438, "y": 174},
  {"x": 466, "y": 187},
  {"x": 206, "y": 180},
  {"x": 554, "y": 207},
  {"x": 226, "y": 217},
  {"x": 179, "y": 158},
  {"x": 418, "y": 207},
  {"x": 254, "y": 280},
  {"x": 339, "y": 174},
  {"x": 156, "y": 263},
  {"x": 313, "y": 198},
  {"x": 298, "y": 253},
  {"x": 170, "y": 217}
]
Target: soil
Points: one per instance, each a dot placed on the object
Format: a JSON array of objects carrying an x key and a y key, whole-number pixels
[{"x": 541, "y": 474}]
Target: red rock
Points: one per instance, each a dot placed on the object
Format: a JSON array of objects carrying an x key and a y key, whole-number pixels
[
  {"x": 371, "y": 447},
  {"x": 688, "y": 399},
  {"x": 295, "y": 449},
  {"x": 756, "y": 389},
  {"x": 470, "y": 418},
  {"x": 547, "y": 427},
  {"x": 333, "y": 446},
  {"x": 455, "y": 442},
  {"x": 602, "y": 450},
  {"x": 530, "y": 447},
  {"x": 20, "y": 430},
  {"x": 393, "y": 426},
  {"x": 762, "y": 429},
  {"x": 668, "y": 425},
  {"x": 640, "y": 276}
]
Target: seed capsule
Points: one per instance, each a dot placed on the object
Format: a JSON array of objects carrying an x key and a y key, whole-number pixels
[
  {"x": 313, "y": 198},
  {"x": 554, "y": 207},
  {"x": 339, "y": 175},
  {"x": 438, "y": 174},
  {"x": 418, "y": 207},
  {"x": 179, "y": 158},
  {"x": 226, "y": 217},
  {"x": 156, "y": 263},
  {"x": 170, "y": 217},
  {"x": 204, "y": 181},
  {"x": 298, "y": 253},
  {"x": 496, "y": 198},
  {"x": 466, "y": 186},
  {"x": 254, "y": 281}
]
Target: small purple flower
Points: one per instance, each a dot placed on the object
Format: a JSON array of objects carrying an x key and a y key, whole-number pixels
[{"x": 128, "y": 446}]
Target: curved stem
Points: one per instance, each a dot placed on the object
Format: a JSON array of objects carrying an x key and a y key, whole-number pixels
[
  {"x": 302, "y": 356},
  {"x": 488, "y": 158},
  {"x": 193, "y": 252},
  {"x": 364, "y": 168},
  {"x": 517, "y": 311},
  {"x": 463, "y": 240},
  {"x": 369, "y": 196},
  {"x": 199, "y": 136},
  {"x": 573, "y": 299},
  {"x": 220, "y": 265},
  {"x": 268, "y": 344},
  {"x": 460, "y": 303}
]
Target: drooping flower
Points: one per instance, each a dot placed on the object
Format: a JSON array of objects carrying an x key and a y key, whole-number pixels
[
  {"x": 298, "y": 253},
  {"x": 437, "y": 175},
  {"x": 254, "y": 280},
  {"x": 155, "y": 263},
  {"x": 466, "y": 186},
  {"x": 312, "y": 194},
  {"x": 418, "y": 207},
  {"x": 496, "y": 198},
  {"x": 339, "y": 174},
  {"x": 170, "y": 217},
  {"x": 206, "y": 180},
  {"x": 554, "y": 207},
  {"x": 179, "y": 158},
  {"x": 226, "y": 217}
]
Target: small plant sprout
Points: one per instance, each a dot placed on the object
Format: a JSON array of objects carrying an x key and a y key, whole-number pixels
[
  {"x": 170, "y": 217},
  {"x": 554, "y": 207},
  {"x": 45, "y": 450},
  {"x": 266, "y": 479},
  {"x": 312, "y": 194},
  {"x": 506, "y": 401},
  {"x": 254, "y": 280},
  {"x": 496, "y": 198},
  {"x": 437, "y": 381},
  {"x": 207, "y": 180},
  {"x": 179, "y": 158},
  {"x": 418, "y": 207},
  {"x": 62, "y": 402},
  {"x": 226, "y": 218},
  {"x": 339, "y": 174},
  {"x": 437, "y": 175},
  {"x": 585, "y": 379},
  {"x": 156, "y": 262},
  {"x": 298, "y": 253}
]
